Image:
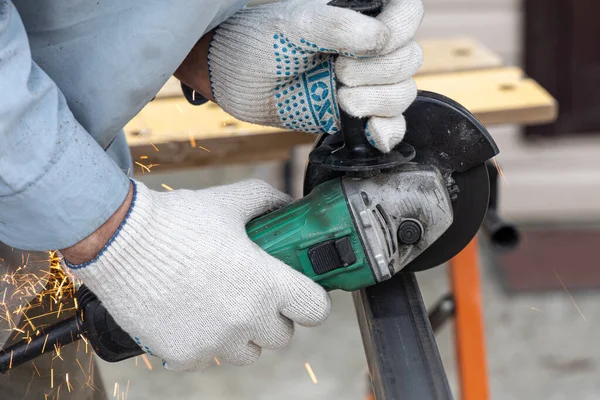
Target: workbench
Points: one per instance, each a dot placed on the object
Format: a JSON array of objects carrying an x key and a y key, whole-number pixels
[{"x": 176, "y": 135}]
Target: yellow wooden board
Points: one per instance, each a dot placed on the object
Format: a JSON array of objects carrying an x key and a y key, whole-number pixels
[
  {"x": 495, "y": 96},
  {"x": 440, "y": 55},
  {"x": 186, "y": 135},
  {"x": 456, "y": 54}
]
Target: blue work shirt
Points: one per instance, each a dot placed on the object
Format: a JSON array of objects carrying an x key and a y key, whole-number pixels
[{"x": 72, "y": 74}]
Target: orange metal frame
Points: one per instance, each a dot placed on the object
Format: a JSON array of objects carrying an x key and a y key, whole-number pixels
[{"x": 469, "y": 324}]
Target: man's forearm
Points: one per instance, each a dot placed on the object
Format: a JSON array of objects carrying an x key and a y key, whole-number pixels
[
  {"x": 194, "y": 70},
  {"x": 194, "y": 73},
  {"x": 57, "y": 185},
  {"x": 88, "y": 248}
]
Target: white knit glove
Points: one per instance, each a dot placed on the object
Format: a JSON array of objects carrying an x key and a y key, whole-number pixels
[
  {"x": 274, "y": 65},
  {"x": 184, "y": 280}
]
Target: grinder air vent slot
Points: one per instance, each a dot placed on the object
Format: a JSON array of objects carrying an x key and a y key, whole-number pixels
[
  {"x": 389, "y": 226},
  {"x": 385, "y": 230}
]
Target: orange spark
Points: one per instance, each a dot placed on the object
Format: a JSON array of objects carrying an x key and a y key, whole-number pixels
[
  {"x": 80, "y": 366},
  {"x": 143, "y": 157},
  {"x": 51, "y": 378},
  {"x": 204, "y": 148},
  {"x": 165, "y": 186},
  {"x": 127, "y": 390},
  {"x": 147, "y": 167},
  {"x": 217, "y": 361},
  {"x": 57, "y": 349},
  {"x": 192, "y": 141},
  {"x": 569, "y": 294},
  {"x": 155, "y": 148},
  {"x": 116, "y": 388},
  {"x": 311, "y": 373},
  {"x": 67, "y": 381},
  {"x": 12, "y": 352},
  {"x": 86, "y": 343},
  {"x": 147, "y": 362},
  {"x": 36, "y": 369},
  {"x": 44, "y": 346},
  {"x": 500, "y": 172}
]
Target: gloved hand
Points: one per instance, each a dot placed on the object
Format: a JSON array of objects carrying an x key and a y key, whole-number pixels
[
  {"x": 184, "y": 280},
  {"x": 276, "y": 65}
]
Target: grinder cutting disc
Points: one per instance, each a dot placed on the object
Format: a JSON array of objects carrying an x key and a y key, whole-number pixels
[
  {"x": 469, "y": 212},
  {"x": 447, "y": 136}
]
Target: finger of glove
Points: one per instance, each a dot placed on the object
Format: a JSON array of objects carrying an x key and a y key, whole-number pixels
[
  {"x": 337, "y": 30},
  {"x": 306, "y": 303},
  {"x": 242, "y": 355},
  {"x": 392, "y": 68},
  {"x": 277, "y": 334},
  {"x": 386, "y": 133},
  {"x": 252, "y": 198},
  {"x": 378, "y": 101},
  {"x": 403, "y": 18}
]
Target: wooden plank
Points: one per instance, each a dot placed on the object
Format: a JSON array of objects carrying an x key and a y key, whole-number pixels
[
  {"x": 495, "y": 96},
  {"x": 500, "y": 30},
  {"x": 457, "y": 54},
  {"x": 171, "y": 89},
  {"x": 440, "y": 55}
]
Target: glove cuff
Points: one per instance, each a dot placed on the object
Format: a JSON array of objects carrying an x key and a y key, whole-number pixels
[
  {"x": 136, "y": 199},
  {"x": 116, "y": 267}
]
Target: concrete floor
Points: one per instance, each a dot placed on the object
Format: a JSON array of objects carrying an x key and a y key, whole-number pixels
[{"x": 539, "y": 345}]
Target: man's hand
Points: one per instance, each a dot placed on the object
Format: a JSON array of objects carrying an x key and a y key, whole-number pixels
[
  {"x": 276, "y": 65},
  {"x": 181, "y": 276}
]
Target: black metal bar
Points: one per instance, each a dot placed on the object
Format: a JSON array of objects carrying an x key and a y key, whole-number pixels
[
  {"x": 61, "y": 334},
  {"x": 402, "y": 354}
]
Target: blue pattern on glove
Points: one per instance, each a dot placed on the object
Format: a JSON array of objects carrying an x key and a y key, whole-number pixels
[
  {"x": 145, "y": 348},
  {"x": 305, "y": 94},
  {"x": 369, "y": 137}
]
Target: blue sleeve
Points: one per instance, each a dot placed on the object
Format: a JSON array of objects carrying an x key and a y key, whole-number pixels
[
  {"x": 70, "y": 79},
  {"x": 56, "y": 184}
]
